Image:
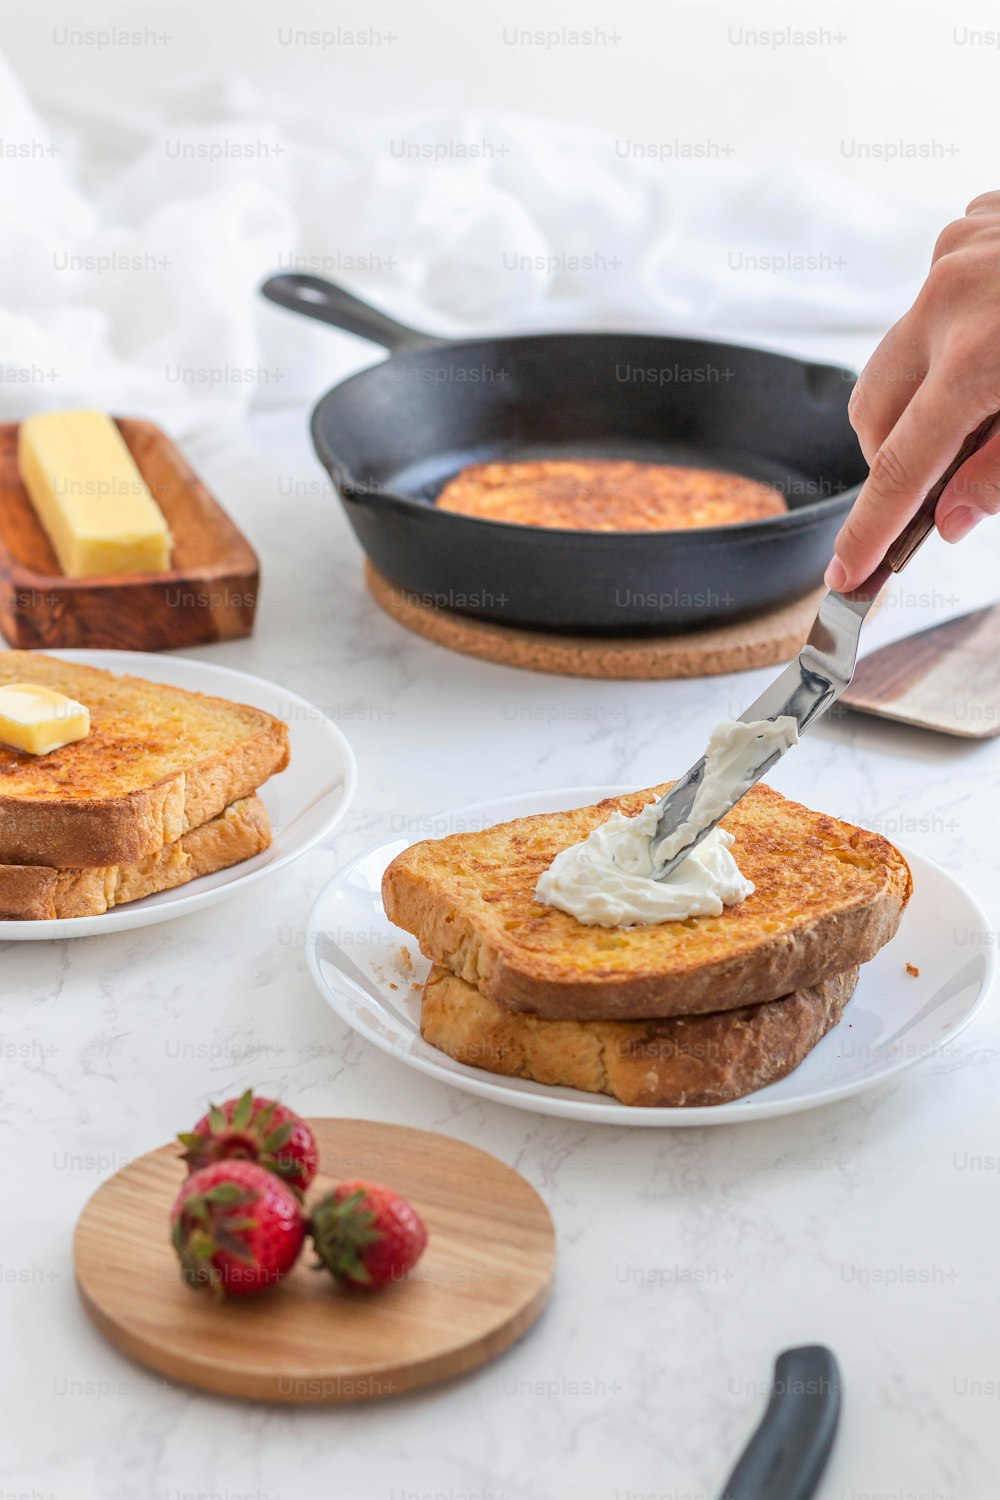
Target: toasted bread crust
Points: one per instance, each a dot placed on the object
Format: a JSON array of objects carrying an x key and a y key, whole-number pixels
[
  {"x": 607, "y": 494},
  {"x": 157, "y": 762},
  {"x": 828, "y": 896},
  {"x": 680, "y": 1062},
  {"x": 34, "y": 893}
]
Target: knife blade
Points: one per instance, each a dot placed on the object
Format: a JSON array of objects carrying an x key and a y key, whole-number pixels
[{"x": 815, "y": 680}]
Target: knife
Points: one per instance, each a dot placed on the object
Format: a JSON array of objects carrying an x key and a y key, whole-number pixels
[
  {"x": 821, "y": 671},
  {"x": 786, "y": 1456}
]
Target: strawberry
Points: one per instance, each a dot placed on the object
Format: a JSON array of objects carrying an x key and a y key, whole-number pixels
[
  {"x": 366, "y": 1235},
  {"x": 236, "y": 1228},
  {"x": 254, "y": 1129}
]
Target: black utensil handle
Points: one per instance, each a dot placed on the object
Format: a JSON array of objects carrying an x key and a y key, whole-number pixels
[
  {"x": 920, "y": 526},
  {"x": 785, "y": 1458},
  {"x": 328, "y": 303}
]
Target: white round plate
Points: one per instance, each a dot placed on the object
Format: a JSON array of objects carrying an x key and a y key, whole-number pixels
[
  {"x": 305, "y": 802},
  {"x": 894, "y": 1020}
]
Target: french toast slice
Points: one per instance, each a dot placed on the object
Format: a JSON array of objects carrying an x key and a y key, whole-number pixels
[
  {"x": 158, "y": 761},
  {"x": 34, "y": 892},
  {"x": 828, "y": 896},
  {"x": 607, "y": 494},
  {"x": 677, "y": 1062}
]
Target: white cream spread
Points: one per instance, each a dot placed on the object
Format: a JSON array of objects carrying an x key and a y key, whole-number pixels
[
  {"x": 608, "y": 879},
  {"x": 734, "y": 752}
]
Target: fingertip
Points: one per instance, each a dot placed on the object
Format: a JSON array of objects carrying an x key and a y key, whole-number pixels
[
  {"x": 836, "y": 575},
  {"x": 959, "y": 522}
]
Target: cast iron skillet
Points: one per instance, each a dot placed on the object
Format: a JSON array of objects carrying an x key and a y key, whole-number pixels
[{"x": 392, "y": 435}]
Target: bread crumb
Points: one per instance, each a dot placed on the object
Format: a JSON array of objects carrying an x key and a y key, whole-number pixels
[
  {"x": 404, "y": 960},
  {"x": 913, "y": 971}
]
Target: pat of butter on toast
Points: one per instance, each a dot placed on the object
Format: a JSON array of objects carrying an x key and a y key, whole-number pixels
[
  {"x": 88, "y": 494},
  {"x": 37, "y": 720}
]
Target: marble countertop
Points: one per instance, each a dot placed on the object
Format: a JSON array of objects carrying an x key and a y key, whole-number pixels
[{"x": 687, "y": 1259}]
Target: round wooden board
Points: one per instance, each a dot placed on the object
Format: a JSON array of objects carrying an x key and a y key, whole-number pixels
[
  {"x": 481, "y": 1283},
  {"x": 761, "y": 641}
]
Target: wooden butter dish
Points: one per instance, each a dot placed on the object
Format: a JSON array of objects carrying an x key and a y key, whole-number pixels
[{"x": 209, "y": 593}]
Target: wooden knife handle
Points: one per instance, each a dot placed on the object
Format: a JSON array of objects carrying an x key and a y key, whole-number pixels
[{"x": 919, "y": 528}]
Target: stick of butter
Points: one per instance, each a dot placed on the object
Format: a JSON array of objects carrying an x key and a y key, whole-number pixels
[
  {"x": 90, "y": 497},
  {"x": 37, "y": 719}
]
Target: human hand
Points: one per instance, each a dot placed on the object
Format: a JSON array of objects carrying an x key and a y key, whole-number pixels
[{"x": 932, "y": 380}]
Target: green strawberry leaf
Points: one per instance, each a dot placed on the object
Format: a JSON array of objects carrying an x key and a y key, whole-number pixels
[
  {"x": 243, "y": 1112},
  {"x": 200, "y": 1245},
  {"x": 229, "y": 1194},
  {"x": 237, "y": 1248}
]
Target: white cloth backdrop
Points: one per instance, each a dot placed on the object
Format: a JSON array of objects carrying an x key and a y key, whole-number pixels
[{"x": 132, "y": 246}]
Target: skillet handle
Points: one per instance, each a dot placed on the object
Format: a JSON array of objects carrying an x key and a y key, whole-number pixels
[
  {"x": 785, "y": 1458},
  {"x": 328, "y": 303}
]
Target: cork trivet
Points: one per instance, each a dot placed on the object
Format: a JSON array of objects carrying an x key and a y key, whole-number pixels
[{"x": 762, "y": 641}]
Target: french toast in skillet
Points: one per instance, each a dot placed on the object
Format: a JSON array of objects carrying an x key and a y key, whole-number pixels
[{"x": 601, "y": 494}]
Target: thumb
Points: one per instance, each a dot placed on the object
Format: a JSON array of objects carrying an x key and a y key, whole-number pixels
[{"x": 972, "y": 494}]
